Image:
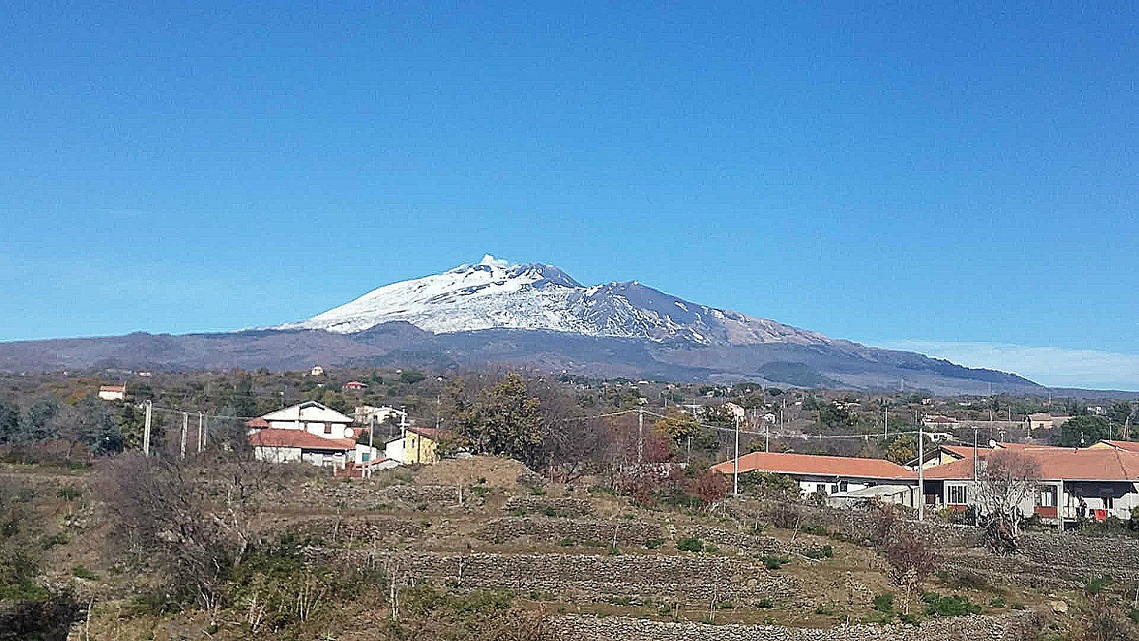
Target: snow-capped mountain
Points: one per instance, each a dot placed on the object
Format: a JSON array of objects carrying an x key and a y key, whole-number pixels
[
  {"x": 535, "y": 316},
  {"x": 495, "y": 294}
]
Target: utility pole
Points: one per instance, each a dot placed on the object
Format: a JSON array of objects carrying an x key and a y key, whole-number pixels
[
  {"x": 921, "y": 468},
  {"x": 640, "y": 436},
  {"x": 886, "y": 423},
  {"x": 201, "y": 430},
  {"x": 372, "y": 450},
  {"x": 185, "y": 426},
  {"x": 736, "y": 462},
  {"x": 976, "y": 516},
  {"x": 766, "y": 436},
  {"x": 146, "y": 431}
]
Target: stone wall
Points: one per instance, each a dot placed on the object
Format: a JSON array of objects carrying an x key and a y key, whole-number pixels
[
  {"x": 348, "y": 530},
  {"x": 355, "y": 495},
  {"x": 756, "y": 543},
  {"x": 689, "y": 578},
  {"x": 1015, "y": 626},
  {"x": 1110, "y": 555},
  {"x": 550, "y": 506},
  {"x": 578, "y": 531}
]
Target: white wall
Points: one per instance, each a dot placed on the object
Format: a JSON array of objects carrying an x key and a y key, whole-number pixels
[
  {"x": 338, "y": 429},
  {"x": 277, "y": 454},
  {"x": 395, "y": 449},
  {"x": 810, "y": 485}
]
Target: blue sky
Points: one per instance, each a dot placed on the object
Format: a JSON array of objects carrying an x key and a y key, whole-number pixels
[{"x": 953, "y": 177}]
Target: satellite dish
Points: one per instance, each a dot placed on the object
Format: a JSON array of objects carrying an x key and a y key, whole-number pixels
[
  {"x": 992, "y": 444},
  {"x": 349, "y": 433}
]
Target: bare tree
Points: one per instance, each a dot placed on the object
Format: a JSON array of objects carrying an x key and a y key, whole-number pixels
[
  {"x": 1004, "y": 481},
  {"x": 911, "y": 560},
  {"x": 194, "y": 519}
]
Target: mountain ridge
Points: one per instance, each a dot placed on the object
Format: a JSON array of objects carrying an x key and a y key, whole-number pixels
[
  {"x": 534, "y": 315},
  {"x": 496, "y": 294}
]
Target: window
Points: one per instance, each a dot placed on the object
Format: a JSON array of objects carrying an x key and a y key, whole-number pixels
[
  {"x": 1047, "y": 496},
  {"x": 328, "y": 428},
  {"x": 843, "y": 486},
  {"x": 1108, "y": 503},
  {"x": 957, "y": 495},
  {"x": 834, "y": 489}
]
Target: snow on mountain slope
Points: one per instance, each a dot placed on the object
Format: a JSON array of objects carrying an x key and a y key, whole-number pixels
[{"x": 495, "y": 294}]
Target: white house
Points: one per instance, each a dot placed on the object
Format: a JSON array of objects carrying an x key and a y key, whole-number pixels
[
  {"x": 314, "y": 418},
  {"x": 291, "y": 445},
  {"x": 365, "y": 414},
  {"x": 113, "y": 392},
  {"x": 312, "y": 433}
]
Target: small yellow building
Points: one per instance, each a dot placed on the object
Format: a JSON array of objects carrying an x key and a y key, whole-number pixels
[{"x": 417, "y": 445}]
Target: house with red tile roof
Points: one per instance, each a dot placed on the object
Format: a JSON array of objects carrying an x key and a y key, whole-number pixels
[
  {"x": 308, "y": 432},
  {"x": 291, "y": 445},
  {"x": 948, "y": 453},
  {"x": 829, "y": 475},
  {"x": 1074, "y": 484}
]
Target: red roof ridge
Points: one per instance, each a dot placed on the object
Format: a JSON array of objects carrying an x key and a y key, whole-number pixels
[
  {"x": 817, "y": 465},
  {"x": 275, "y": 437}
]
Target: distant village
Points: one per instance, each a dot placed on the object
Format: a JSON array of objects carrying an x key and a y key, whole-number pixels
[{"x": 1092, "y": 480}]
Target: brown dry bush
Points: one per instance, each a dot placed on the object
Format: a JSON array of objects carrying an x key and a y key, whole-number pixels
[{"x": 191, "y": 520}]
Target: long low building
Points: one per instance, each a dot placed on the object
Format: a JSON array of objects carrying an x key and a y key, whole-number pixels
[
  {"x": 1074, "y": 484},
  {"x": 826, "y": 474}
]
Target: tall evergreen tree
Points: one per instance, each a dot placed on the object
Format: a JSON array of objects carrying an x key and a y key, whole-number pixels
[
  {"x": 37, "y": 423},
  {"x": 96, "y": 427},
  {"x": 9, "y": 421}
]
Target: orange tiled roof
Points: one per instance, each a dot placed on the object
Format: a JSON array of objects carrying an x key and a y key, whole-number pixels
[
  {"x": 429, "y": 432},
  {"x": 962, "y": 451},
  {"x": 1056, "y": 463},
  {"x": 257, "y": 423},
  {"x": 845, "y": 466},
  {"x": 1130, "y": 446},
  {"x": 966, "y": 451},
  {"x": 272, "y": 437}
]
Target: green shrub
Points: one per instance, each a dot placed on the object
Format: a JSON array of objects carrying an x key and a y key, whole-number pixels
[
  {"x": 69, "y": 493},
  {"x": 50, "y": 541},
  {"x": 653, "y": 544},
  {"x": 566, "y": 542},
  {"x": 824, "y": 609},
  {"x": 774, "y": 562},
  {"x": 690, "y": 544},
  {"x": 1097, "y": 584},
  {"x": 549, "y": 511},
  {"x": 1134, "y": 614},
  {"x": 765, "y": 604},
  {"x": 83, "y": 573},
  {"x": 884, "y": 602},
  {"x": 825, "y": 552},
  {"x": 949, "y": 606}
]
